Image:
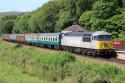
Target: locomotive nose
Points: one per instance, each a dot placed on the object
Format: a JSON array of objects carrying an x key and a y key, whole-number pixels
[{"x": 105, "y": 45}]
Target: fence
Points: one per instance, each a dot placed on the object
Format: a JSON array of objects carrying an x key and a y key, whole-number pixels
[{"x": 119, "y": 45}]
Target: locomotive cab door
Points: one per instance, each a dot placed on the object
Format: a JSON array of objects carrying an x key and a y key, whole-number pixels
[{"x": 94, "y": 43}]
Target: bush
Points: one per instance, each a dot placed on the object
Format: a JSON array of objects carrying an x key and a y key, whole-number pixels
[
  {"x": 58, "y": 59},
  {"x": 122, "y": 36},
  {"x": 87, "y": 72},
  {"x": 18, "y": 45},
  {"x": 53, "y": 65}
]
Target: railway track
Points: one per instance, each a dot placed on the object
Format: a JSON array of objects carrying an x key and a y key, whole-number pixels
[
  {"x": 123, "y": 52},
  {"x": 111, "y": 60}
]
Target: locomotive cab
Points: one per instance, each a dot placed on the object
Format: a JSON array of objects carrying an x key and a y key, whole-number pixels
[
  {"x": 102, "y": 42},
  {"x": 105, "y": 42}
]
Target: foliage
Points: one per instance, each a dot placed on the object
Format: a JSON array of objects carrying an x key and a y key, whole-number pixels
[
  {"x": 99, "y": 20},
  {"x": 33, "y": 25},
  {"x": 59, "y": 59},
  {"x": 65, "y": 19},
  {"x": 76, "y": 8},
  {"x": 7, "y": 23},
  {"x": 46, "y": 16},
  {"x": 21, "y": 24},
  {"x": 122, "y": 36},
  {"x": 104, "y": 9}
]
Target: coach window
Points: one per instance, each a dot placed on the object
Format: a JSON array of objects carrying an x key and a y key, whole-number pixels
[
  {"x": 48, "y": 38},
  {"x": 51, "y": 39},
  {"x": 41, "y": 38},
  {"x": 44, "y": 38},
  {"x": 56, "y": 39}
]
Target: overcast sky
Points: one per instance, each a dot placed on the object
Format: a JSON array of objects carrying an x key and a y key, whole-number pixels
[{"x": 20, "y": 5}]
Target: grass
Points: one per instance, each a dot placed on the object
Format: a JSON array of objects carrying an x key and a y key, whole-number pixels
[
  {"x": 12, "y": 74},
  {"x": 59, "y": 67}
]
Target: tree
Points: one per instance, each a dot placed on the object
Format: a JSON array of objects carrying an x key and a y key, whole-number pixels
[
  {"x": 76, "y": 7},
  {"x": 85, "y": 18},
  {"x": 104, "y": 19},
  {"x": 65, "y": 19},
  {"x": 122, "y": 35},
  {"x": 21, "y": 24},
  {"x": 104, "y": 9},
  {"x": 46, "y": 16},
  {"x": 7, "y": 23},
  {"x": 33, "y": 25}
]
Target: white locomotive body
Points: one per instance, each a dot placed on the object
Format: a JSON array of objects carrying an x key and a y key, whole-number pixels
[{"x": 91, "y": 43}]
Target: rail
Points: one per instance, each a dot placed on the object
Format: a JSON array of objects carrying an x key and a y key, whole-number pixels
[{"x": 123, "y": 52}]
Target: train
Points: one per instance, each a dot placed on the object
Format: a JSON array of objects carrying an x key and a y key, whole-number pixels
[{"x": 98, "y": 43}]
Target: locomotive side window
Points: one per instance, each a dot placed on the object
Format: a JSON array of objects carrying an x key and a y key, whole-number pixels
[
  {"x": 95, "y": 37},
  {"x": 86, "y": 38}
]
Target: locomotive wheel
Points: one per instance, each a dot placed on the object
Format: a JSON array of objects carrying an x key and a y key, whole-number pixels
[{"x": 89, "y": 54}]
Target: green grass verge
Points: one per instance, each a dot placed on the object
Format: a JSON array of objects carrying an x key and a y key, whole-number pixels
[
  {"x": 60, "y": 67},
  {"x": 12, "y": 74}
]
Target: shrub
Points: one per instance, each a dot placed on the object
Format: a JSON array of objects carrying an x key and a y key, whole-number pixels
[{"x": 18, "y": 45}]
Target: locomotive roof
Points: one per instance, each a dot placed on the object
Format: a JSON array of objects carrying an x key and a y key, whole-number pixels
[
  {"x": 100, "y": 33},
  {"x": 78, "y": 33},
  {"x": 86, "y": 33}
]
